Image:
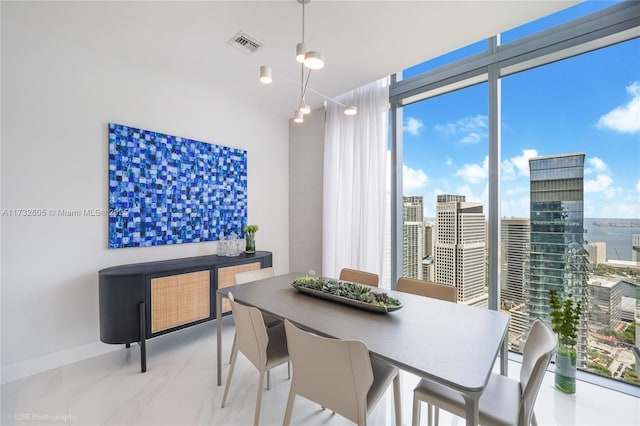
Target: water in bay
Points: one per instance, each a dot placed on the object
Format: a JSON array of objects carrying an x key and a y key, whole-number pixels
[{"x": 618, "y": 239}]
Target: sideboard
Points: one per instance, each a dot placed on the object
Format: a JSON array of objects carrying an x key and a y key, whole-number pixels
[{"x": 144, "y": 300}]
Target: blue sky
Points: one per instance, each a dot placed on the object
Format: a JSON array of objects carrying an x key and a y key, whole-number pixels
[{"x": 589, "y": 103}]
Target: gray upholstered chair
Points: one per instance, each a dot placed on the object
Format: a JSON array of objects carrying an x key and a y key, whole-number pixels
[
  {"x": 427, "y": 288},
  {"x": 360, "y": 277},
  {"x": 255, "y": 275},
  {"x": 338, "y": 374},
  {"x": 505, "y": 401},
  {"x": 264, "y": 347},
  {"x": 435, "y": 291}
]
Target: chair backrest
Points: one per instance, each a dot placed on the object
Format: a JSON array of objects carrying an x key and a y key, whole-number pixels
[
  {"x": 427, "y": 288},
  {"x": 334, "y": 373},
  {"x": 360, "y": 277},
  {"x": 538, "y": 350},
  {"x": 254, "y": 275},
  {"x": 251, "y": 334}
]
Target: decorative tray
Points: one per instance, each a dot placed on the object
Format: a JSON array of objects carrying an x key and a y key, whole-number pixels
[{"x": 325, "y": 289}]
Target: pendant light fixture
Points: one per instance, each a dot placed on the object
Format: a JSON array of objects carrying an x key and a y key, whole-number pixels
[{"x": 309, "y": 60}]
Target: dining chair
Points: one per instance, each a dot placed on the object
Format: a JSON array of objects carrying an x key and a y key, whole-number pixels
[
  {"x": 255, "y": 275},
  {"x": 264, "y": 347},
  {"x": 427, "y": 288},
  {"x": 360, "y": 277},
  {"x": 339, "y": 375},
  {"x": 435, "y": 291},
  {"x": 504, "y": 401}
]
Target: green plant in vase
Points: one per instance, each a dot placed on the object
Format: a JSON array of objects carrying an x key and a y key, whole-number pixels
[
  {"x": 250, "y": 238},
  {"x": 565, "y": 318}
]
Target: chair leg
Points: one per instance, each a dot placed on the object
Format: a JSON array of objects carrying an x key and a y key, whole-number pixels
[
  {"x": 234, "y": 356},
  {"x": 415, "y": 418},
  {"x": 436, "y": 415},
  {"x": 256, "y": 417},
  {"x": 289, "y": 410},
  {"x": 289, "y": 369},
  {"x": 397, "y": 402},
  {"x": 534, "y": 421},
  {"x": 233, "y": 346},
  {"x": 268, "y": 379}
]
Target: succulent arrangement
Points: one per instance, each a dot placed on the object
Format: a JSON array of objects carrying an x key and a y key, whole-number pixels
[{"x": 353, "y": 291}]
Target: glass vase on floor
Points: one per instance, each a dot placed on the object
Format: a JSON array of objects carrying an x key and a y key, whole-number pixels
[{"x": 250, "y": 243}]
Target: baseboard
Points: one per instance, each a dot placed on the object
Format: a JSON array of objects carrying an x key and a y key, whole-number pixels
[{"x": 20, "y": 370}]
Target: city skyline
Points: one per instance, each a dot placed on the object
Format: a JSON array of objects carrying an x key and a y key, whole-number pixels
[
  {"x": 569, "y": 149},
  {"x": 588, "y": 103}
]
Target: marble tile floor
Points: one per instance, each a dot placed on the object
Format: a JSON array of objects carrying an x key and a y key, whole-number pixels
[{"x": 179, "y": 388}]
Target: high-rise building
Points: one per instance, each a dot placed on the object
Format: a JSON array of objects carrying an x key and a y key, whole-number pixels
[
  {"x": 597, "y": 252},
  {"x": 413, "y": 237},
  {"x": 412, "y": 246},
  {"x": 635, "y": 247},
  {"x": 428, "y": 265},
  {"x": 429, "y": 237},
  {"x": 459, "y": 247},
  {"x": 557, "y": 256},
  {"x": 515, "y": 234},
  {"x": 413, "y": 209},
  {"x": 605, "y": 302}
]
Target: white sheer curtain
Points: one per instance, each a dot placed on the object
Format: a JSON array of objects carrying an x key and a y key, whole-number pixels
[{"x": 354, "y": 182}]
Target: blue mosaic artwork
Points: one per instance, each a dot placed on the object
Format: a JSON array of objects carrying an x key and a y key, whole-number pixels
[{"x": 169, "y": 190}]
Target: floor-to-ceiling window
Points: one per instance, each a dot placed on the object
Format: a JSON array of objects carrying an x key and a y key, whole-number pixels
[
  {"x": 445, "y": 191},
  {"x": 569, "y": 97},
  {"x": 581, "y": 105}
]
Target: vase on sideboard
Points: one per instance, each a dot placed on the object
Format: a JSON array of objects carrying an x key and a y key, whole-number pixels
[{"x": 250, "y": 243}]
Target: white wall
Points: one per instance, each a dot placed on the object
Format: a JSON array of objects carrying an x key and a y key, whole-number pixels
[{"x": 57, "y": 99}]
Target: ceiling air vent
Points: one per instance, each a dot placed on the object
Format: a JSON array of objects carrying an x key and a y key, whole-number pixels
[{"x": 245, "y": 42}]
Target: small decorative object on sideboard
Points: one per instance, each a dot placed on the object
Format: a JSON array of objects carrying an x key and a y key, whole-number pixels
[
  {"x": 222, "y": 246},
  {"x": 250, "y": 238},
  {"x": 565, "y": 318},
  {"x": 360, "y": 296},
  {"x": 234, "y": 248}
]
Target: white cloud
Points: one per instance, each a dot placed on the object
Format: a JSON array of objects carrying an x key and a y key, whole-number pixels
[
  {"x": 515, "y": 190},
  {"x": 474, "y": 173},
  {"x": 448, "y": 128},
  {"x": 603, "y": 183},
  {"x": 471, "y": 138},
  {"x": 470, "y": 124},
  {"x": 413, "y": 179},
  {"x": 522, "y": 161},
  {"x": 413, "y": 126},
  {"x": 599, "y": 184},
  {"x": 638, "y": 185},
  {"x": 448, "y": 161},
  {"x": 597, "y": 165},
  {"x": 515, "y": 206},
  {"x": 468, "y": 193},
  {"x": 470, "y": 129},
  {"x": 470, "y": 196},
  {"x": 518, "y": 165},
  {"x": 625, "y": 118}
]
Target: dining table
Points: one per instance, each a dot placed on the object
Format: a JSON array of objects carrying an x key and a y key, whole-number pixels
[{"x": 453, "y": 344}]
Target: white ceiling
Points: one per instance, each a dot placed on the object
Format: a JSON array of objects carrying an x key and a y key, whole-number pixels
[{"x": 361, "y": 40}]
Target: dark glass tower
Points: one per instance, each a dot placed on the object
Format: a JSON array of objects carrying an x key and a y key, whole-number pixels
[{"x": 557, "y": 256}]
